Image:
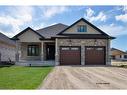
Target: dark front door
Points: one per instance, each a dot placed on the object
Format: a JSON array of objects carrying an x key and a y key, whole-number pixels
[
  {"x": 50, "y": 52},
  {"x": 94, "y": 55}
]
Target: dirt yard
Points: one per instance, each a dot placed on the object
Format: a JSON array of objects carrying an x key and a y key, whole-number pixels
[{"x": 71, "y": 77}]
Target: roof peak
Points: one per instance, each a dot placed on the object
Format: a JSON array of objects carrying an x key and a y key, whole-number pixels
[{"x": 52, "y": 25}]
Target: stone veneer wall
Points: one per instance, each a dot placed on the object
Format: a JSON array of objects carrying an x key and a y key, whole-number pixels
[
  {"x": 83, "y": 43},
  {"x": 23, "y": 52},
  {"x": 7, "y": 52}
]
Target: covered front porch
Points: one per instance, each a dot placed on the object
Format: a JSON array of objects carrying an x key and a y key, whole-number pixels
[{"x": 35, "y": 53}]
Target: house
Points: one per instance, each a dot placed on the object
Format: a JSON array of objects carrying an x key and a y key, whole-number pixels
[
  {"x": 7, "y": 49},
  {"x": 118, "y": 55},
  {"x": 81, "y": 43}
]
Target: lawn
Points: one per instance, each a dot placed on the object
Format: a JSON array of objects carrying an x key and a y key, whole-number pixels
[
  {"x": 124, "y": 66},
  {"x": 17, "y": 77}
]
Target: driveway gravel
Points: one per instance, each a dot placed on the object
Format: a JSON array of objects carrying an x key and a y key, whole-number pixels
[{"x": 76, "y": 77}]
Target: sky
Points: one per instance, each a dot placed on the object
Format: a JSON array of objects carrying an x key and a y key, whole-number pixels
[{"x": 110, "y": 19}]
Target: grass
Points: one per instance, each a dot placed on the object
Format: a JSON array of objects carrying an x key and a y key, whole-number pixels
[
  {"x": 17, "y": 77},
  {"x": 123, "y": 66}
]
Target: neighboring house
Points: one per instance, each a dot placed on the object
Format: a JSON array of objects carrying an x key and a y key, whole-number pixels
[
  {"x": 81, "y": 43},
  {"x": 117, "y": 54},
  {"x": 7, "y": 49}
]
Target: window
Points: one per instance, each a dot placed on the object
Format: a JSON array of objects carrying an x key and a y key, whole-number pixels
[
  {"x": 89, "y": 48},
  {"x": 82, "y": 28},
  {"x": 113, "y": 57},
  {"x": 125, "y": 56},
  {"x": 99, "y": 49},
  {"x": 65, "y": 48},
  {"x": 33, "y": 50},
  {"x": 74, "y": 48}
]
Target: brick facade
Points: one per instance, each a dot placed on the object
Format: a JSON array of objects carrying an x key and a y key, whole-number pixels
[{"x": 82, "y": 43}]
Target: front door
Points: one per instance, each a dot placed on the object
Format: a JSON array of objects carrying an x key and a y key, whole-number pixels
[{"x": 50, "y": 52}]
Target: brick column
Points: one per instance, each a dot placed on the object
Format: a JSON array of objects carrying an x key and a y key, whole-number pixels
[
  {"x": 108, "y": 53},
  {"x": 56, "y": 53},
  {"x": 82, "y": 55}
]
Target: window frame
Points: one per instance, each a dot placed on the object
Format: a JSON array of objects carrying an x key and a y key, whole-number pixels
[
  {"x": 33, "y": 50},
  {"x": 125, "y": 56},
  {"x": 81, "y": 28}
]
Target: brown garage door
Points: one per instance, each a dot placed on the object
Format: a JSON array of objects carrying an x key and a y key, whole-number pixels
[
  {"x": 95, "y": 55},
  {"x": 70, "y": 56}
]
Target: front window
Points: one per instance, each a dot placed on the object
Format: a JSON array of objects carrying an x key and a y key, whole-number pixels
[
  {"x": 125, "y": 56},
  {"x": 113, "y": 57},
  {"x": 33, "y": 50},
  {"x": 82, "y": 28}
]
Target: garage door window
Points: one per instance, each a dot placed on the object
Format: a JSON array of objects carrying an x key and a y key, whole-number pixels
[
  {"x": 74, "y": 48},
  {"x": 99, "y": 49},
  {"x": 65, "y": 48},
  {"x": 89, "y": 48}
]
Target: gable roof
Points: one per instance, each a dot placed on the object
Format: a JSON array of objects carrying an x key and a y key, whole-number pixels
[
  {"x": 52, "y": 31},
  {"x": 90, "y": 24},
  {"x": 57, "y": 30},
  {"x": 6, "y": 39},
  {"x": 28, "y": 28},
  {"x": 114, "y": 49}
]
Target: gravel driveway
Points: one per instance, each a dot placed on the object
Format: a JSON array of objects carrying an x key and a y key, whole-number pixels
[{"x": 71, "y": 77}]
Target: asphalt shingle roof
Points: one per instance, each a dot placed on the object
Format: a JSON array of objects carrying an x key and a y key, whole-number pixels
[
  {"x": 6, "y": 39},
  {"x": 52, "y": 31},
  {"x": 112, "y": 49}
]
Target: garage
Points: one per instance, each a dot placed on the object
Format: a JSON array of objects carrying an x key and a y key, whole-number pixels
[
  {"x": 70, "y": 55},
  {"x": 94, "y": 55}
]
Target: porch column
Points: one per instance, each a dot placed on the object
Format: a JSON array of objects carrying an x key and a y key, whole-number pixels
[
  {"x": 42, "y": 51},
  {"x": 122, "y": 56},
  {"x": 82, "y": 55},
  {"x": 56, "y": 53},
  {"x": 17, "y": 51}
]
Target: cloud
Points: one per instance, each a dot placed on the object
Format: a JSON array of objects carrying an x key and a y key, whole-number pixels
[
  {"x": 125, "y": 8},
  {"x": 114, "y": 30},
  {"x": 89, "y": 12},
  {"x": 49, "y": 12},
  {"x": 16, "y": 17},
  {"x": 25, "y": 13},
  {"x": 90, "y": 15},
  {"x": 36, "y": 27},
  {"x": 122, "y": 17}
]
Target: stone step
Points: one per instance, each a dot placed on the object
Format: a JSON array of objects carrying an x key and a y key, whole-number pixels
[{"x": 35, "y": 63}]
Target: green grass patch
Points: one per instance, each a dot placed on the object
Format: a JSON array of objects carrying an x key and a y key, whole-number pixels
[
  {"x": 18, "y": 77},
  {"x": 124, "y": 66}
]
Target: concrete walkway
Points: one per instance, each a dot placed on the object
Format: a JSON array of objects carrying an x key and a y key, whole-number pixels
[{"x": 71, "y": 77}]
